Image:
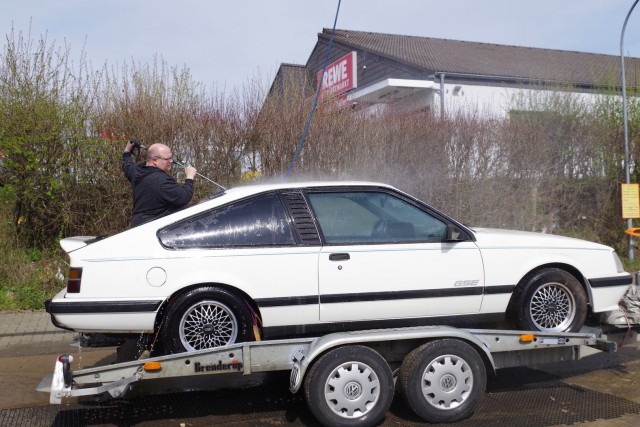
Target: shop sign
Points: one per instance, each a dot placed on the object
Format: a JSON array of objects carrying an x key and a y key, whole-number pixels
[{"x": 339, "y": 76}]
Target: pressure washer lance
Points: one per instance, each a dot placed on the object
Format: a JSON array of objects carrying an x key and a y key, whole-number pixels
[{"x": 137, "y": 143}]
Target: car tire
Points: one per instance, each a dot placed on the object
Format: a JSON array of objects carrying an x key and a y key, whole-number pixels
[
  {"x": 443, "y": 381},
  {"x": 206, "y": 317},
  {"x": 349, "y": 386},
  {"x": 550, "y": 300}
]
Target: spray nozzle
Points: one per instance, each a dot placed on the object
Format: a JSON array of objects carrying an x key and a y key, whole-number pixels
[{"x": 137, "y": 144}]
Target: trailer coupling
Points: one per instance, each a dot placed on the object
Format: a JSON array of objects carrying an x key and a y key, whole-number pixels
[{"x": 62, "y": 383}]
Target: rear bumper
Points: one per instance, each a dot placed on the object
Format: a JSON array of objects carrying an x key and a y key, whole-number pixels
[
  {"x": 47, "y": 303},
  {"x": 102, "y": 307},
  {"x": 133, "y": 316}
]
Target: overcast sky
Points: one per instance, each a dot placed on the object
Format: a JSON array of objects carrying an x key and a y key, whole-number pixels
[{"x": 227, "y": 43}]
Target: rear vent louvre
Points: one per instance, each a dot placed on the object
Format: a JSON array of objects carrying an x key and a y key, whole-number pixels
[{"x": 304, "y": 225}]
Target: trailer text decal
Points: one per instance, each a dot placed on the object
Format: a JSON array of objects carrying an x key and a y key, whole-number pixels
[{"x": 233, "y": 366}]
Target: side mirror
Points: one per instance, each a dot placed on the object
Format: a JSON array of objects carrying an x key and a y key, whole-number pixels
[{"x": 455, "y": 234}]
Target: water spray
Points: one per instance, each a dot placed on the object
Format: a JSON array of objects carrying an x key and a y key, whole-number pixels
[{"x": 137, "y": 143}]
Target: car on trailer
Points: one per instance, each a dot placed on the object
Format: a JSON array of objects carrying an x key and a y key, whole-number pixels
[{"x": 288, "y": 260}]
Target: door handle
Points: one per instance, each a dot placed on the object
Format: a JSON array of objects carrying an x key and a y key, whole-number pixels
[{"x": 339, "y": 257}]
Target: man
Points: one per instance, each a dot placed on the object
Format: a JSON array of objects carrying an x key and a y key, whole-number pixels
[{"x": 155, "y": 192}]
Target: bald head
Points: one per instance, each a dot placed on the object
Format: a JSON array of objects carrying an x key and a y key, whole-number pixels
[
  {"x": 156, "y": 150},
  {"x": 159, "y": 156}
]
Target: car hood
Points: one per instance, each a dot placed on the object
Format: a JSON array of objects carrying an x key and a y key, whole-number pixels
[{"x": 494, "y": 237}]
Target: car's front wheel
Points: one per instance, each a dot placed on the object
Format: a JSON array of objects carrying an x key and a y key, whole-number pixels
[
  {"x": 205, "y": 317},
  {"x": 550, "y": 300}
]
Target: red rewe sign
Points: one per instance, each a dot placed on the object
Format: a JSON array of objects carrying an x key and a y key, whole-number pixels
[{"x": 339, "y": 76}]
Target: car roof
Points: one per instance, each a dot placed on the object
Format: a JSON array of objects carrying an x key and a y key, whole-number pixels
[
  {"x": 240, "y": 192},
  {"x": 245, "y": 190}
]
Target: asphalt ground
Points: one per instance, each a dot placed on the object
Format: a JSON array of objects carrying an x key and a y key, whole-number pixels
[{"x": 600, "y": 390}]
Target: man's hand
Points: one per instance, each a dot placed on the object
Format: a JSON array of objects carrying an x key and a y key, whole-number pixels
[
  {"x": 190, "y": 172},
  {"x": 129, "y": 146},
  {"x": 134, "y": 143}
]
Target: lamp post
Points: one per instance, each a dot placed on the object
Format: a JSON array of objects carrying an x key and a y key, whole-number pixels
[{"x": 625, "y": 125}]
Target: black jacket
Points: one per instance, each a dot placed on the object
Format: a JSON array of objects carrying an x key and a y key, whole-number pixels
[{"x": 155, "y": 193}]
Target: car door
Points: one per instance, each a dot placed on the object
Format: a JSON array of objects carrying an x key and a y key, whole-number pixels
[{"x": 386, "y": 256}]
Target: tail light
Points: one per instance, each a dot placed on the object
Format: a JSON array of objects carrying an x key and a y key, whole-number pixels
[{"x": 73, "y": 280}]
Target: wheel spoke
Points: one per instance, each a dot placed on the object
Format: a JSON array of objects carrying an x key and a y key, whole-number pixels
[
  {"x": 208, "y": 324},
  {"x": 552, "y": 307}
]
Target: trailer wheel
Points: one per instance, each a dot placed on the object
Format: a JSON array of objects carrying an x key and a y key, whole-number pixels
[
  {"x": 551, "y": 300},
  {"x": 349, "y": 386},
  {"x": 205, "y": 317},
  {"x": 443, "y": 381}
]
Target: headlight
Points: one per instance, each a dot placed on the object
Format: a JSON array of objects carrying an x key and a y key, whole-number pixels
[{"x": 616, "y": 258}]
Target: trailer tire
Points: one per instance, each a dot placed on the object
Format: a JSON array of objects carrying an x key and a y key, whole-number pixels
[
  {"x": 205, "y": 317},
  {"x": 443, "y": 381},
  {"x": 551, "y": 300},
  {"x": 349, "y": 386}
]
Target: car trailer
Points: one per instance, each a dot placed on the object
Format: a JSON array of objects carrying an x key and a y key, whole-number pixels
[{"x": 350, "y": 378}]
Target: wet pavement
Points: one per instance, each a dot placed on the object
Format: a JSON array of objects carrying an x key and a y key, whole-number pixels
[{"x": 599, "y": 390}]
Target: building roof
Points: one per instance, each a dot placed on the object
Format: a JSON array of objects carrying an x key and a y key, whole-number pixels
[
  {"x": 526, "y": 64},
  {"x": 290, "y": 76}
]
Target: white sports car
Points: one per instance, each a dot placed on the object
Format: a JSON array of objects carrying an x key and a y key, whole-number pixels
[{"x": 285, "y": 260}]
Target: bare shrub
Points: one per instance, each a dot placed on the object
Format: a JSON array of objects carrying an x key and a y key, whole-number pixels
[{"x": 43, "y": 108}]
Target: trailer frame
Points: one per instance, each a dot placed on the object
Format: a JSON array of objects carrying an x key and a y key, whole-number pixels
[{"x": 360, "y": 355}]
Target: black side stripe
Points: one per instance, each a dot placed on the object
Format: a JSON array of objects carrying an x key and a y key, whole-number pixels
[
  {"x": 390, "y": 296},
  {"x": 604, "y": 282},
  {"x": 383, "y": 296},
  {"x": 493, "y": 290},
  {"x": 286, "y": 301}
]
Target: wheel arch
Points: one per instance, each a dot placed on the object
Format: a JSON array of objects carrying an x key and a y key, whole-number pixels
[
  {"x": 253, "y": 307},
  {"x": 408, "y": 345},
  {"x": 561, "y": 266},
  {"x": 489, "y": 364}
]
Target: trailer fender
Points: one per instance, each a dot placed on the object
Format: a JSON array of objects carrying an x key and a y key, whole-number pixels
[{"x": 301, "y": 362}]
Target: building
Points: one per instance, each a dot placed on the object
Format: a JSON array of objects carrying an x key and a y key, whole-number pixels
[{"x": 377, "y": 72}]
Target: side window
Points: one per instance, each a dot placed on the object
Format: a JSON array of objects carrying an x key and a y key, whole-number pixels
[
  {"x": 373, "y": 217},
  {"x": 257, "y": 222}
]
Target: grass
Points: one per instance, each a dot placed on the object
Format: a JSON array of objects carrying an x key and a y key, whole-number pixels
[
  {"x": 27, "y": 276},
  {"x": 25, "y": 282},
  {"x": 631, "y": 265}
]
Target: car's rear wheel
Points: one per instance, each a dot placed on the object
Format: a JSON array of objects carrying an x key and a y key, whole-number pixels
[
  {"x": 551, "y": 300},
  {"x": 205, "y": 317}
]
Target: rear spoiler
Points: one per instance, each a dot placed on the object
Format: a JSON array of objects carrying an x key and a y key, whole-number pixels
[{"x": 70, "y": 244}]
